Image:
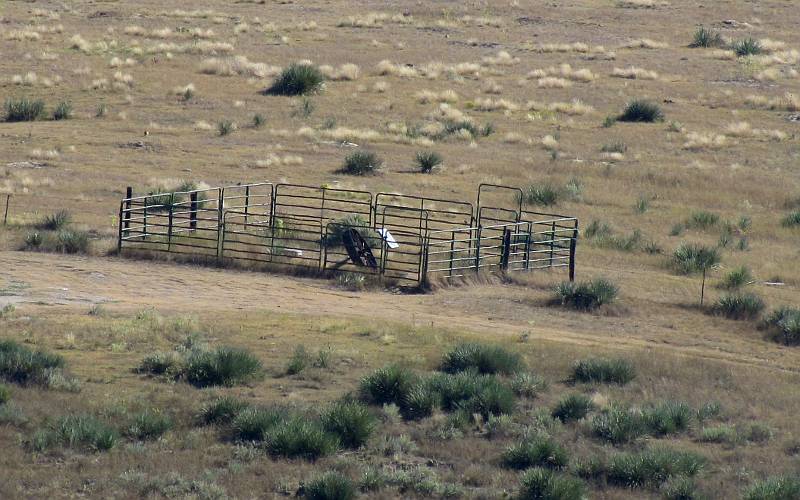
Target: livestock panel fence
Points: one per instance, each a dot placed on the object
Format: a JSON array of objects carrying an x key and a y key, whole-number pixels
[{"x": 408, "y": 239}]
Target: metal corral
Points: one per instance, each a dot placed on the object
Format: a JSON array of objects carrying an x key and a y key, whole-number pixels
[{"x": 297, "y": 225}]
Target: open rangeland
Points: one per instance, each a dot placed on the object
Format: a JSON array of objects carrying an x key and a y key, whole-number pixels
[{"x": 669, "y": 128}]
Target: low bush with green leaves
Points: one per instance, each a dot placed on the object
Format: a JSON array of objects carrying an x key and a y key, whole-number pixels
[
  {"x": 297, "y": 79},
  {"x": 691, "y": 258},
  {"x": 223, "y": 410},
  {"x": 330, "y": 486},
  {"x": 640, "y": 110},
  {"x": 225, "y": 366},
  {"x": 736, "y": 278},
  {"x": 23, "y": 109},
  {"x": 652, "y": 467},
  {"x": 537, "y": 451},
  {"x": 299, "y": 437},
  {"x": 76, "y": 431},
  {"x": 350, "y": 421},
  {"x": 527, "y": 385},
  {"x": 747, "y": 47},
  {"x": 603, "y": 370},
  {"x": 149, "y": 424},
  {"x": 572, "y": 407},
  {"x": 702, "y": 219},
  {"x": 483, "y": 358},
  {"x": 387, "y": 385},
  {"x": 545, "y": 484},
  {"x": 55, "y": 221},
  {"x": 427, "y": 161},
  {"x": 783, "y": 325},
  {"x": 774, "y": 488},
  {"x": 361, "y": 162},
  {"x": 707, "y": 38},
  {"x": 586, "y": 295},
  {"x": 22, "y": 365},
  {"x": 63, "y": 111},
  {"x": 739, "y": 306},
  {"x": 792, "y": 219}
]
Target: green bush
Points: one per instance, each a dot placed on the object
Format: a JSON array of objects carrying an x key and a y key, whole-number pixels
[
  {"x": 252, "y": 424},
  {"x": 618, "y": 424},
  {"x": 222, "y": 410},
  {"x": 791, "y": 220},
  {"x": 483, "y": 358},
  {"x": 702, "y": 219},
  {"x": 747, "y": 47},
  {"x": 149, "y": 424},
  {"x": 709, "y": 410},
  {"x": 426, "y": 161},
  {"x": 162, "y": 363},
  {"x": 681, "y": 488},
  {"x": 736, "y": 278},
  {"x": 541, "y": 194},
  {"x": 739, "y": 306},
  {"x": 538, "y": 451},
  {"x": 23, "y": 109},
  {"x": 299, "y": 361},
  {"x": 21, "y": 365},
  {"x": 55, "y": 221},
  {"x": 783, "y": 325},
  {"x": 707, "y": 38},
  {"x": 601, "y": 370},
  {"x": 299, "y": 437},
  {"x": 719, "y": 434},
  {"x": 5, "y": 394},
  {"x": 361, "y": 163},
  {"x": 572, "y": 407},
  {"x": 652, "y": 467},
  {"x": 259, "y": 120},
  {"x": 586, "y": 295},
  {"x": 419, "y": 402},
  {"x": 668, "y": 417},
  {"x": 527, "y": 385},
  {"x": 690, "y": 258},
  {"x": 76, "y": 431},
  {"x": 641, "y": 111},
  {"x": 330, "y": 486},
  {"x": 544, "y": 484},
  {"x": 63, "y": 111},
  {"x": 297, "y": 79},
  {"x": 225, "y": 366},
  {"x": 387, "y": 385},
  {"x": 70, "y": 241},
  {"x": 350, "y": 421},
  {"x": 225, "y": 127},
  {"x": 472, "y": 393},
  {"x": 774, "y": 488}
]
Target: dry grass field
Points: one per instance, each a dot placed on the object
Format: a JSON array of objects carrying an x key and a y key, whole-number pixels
[{"x": 155, "y": 95}]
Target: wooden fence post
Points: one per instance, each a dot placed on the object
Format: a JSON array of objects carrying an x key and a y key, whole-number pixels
[
  {"x": 8, "y": 201},
  {"x": 478, "y": 250},
  {"x": 127, "y": 213},
  {"x": 504, "y": 258},
  {"x": 552, "y": 242},
  {"x": 246, "y": 205},
  {"x": 573, "y": 242},
  {"x": 193, "y": 211}
]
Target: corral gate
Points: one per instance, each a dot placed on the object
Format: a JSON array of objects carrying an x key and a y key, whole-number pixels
[{"x": 302, "y": 226}]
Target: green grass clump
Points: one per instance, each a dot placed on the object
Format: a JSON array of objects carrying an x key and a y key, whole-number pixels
[
  {"x": 601, "y": 370},
  {"x": 76, "y": 431},
  {"x": 387, "y": 385},
  {"x": 259, "y": 120},
  {"x": 572, "y": 407},
  {"x": 23, "y": 109},
  {"x": 666, "y": 418},
  {"x": 736, "y": 278},
  {"x": 791, "y": 220},
  {"x": 783, "y": 325},
  {"x": 419, "y": 402},
  {"x": 527, "y": 385},
  {"x": 483, "y": 358},
  {"x": 707, "y": 38},
  {"x": 472, "y": 393},
  {"x": 774, "y": 488},
  {"x": 539, "y": 451},
  {"x": 297, "y": 79},
  {"x": 21, "y": 365},
  {"x": 71, "y": 242},
  {"x": 690, "y": 258},
  {"x": 299, "y": 437},
  {"x": 299, "y": 361},
  {"x": 55, "y": 221},
  {"x": 5, "y": 394},
  {"x": 222, "y": 410},
  {"x": 681, "y": 488},
  {"x": 618, "y": 424},
  {"x": 541, "y": 194},
  {"x": 350, "y": 421},
  {"x": 225, "y": 127},
  {"x": 719, "y": 434},
  {"x": 587, "y": 295},
  {"x": 252, "y": 424},
  {"x": 330, "y": 486},
  {"x": 426, "y": 161},
  {"x": 641, "y": 111},
  {"x": 226, "y": 366},
  {"x": 63, "y": 111},
  {"x": 361, "y": 163},
  {"x": 739, "y": 306},
  {"x": 544, "y": 484},
  {"x": 747, "y": 47},
  {"x": 702, "y": 219},
  {"x": 149, "y": 424},
  {"x": 652, "y": 467},
  {"x": 162, "y": 363}
]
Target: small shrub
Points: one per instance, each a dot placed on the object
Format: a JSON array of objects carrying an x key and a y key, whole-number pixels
[
  {"x": 707, "y": 38},
  {"x": 756, "y": 432},
  {"x": 702, "y": 219},
  {"x": 225, "y": 366},
  {"x": 600, "y": 370},
  {"x": 351, "y": 281},
  {"x": 361, "y": 163},
  {"x": 149, "y": 424},
  {"x": 615, "y": 147},
  {"x": 299, "y": 437},
  {"x": 350, "y": 421},
  {"x": 76, "y": 431},
  {"x": 739, "y": 306},
  {"x": 538, "y": 451},
  {"x": 5, "y": 394},
  {"x": 586, "y": 295},
  {"x": 34, "y": 241},
  {"x": 330, "y": 486},
  {"x": 299, "y": 361},
  {"x": 609, "y": 121},
  {"x": 541, "y": 194},
  {"x": 387, "y": 385},
  {"x": 572, "y": 407},
  {"x": 259, "y": 120},
  {"x": 527, "y": 385},
  {"x": 71, "y": 242},
  {"x": 162, "y": 363},
  {"x": 222, "y": 410},
  {"x": 667, "y": 418},
  {"x": 544, "y": 484},
  {"x": 484, "y": 358},
  {"x": 372, "y": 479},
  {"x": 63, "y": 111},
  {"x": 419, "y": 402},
  {"x": 618, "y": 425},
  {"x": 747, "y": 47},
  {"x": 426, "y": 161},
  {"x": 709, "y": 410},
  {"x": 252, "y": 424},
  {"x": 21, "y": 365},
  {"x": 55, "y": 221},
  {"x": 297, "y": 79},
  {"x": 652, "y": 467},
  {"x": 472, "y": 393},
  {"x": 736, "y": 278},
  {"x": 791, "y": 220},
  {"x": 642, "y": 204},
  {"x": 774, "y": 488},
  {"x": 225, "y": 127},
  {"x": 783, "y": 325},
  {"x": 681, "y": 488},
  {"x": 23, "y": 109},
  {"x": 718, "y": 434},
  {"x": 641, "y": 111},
  {"x": 690, "y": 258}
]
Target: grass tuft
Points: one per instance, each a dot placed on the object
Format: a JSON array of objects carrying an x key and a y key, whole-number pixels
[
  {"x": 426, "y": 161},
  {"x": 541, "y": 194},
  {"x": 747, "y": 47},
  {"x": 226, "y": 366},
  {"x": 736, "y": 278},
  {"x": 599, "y": 370},
  {"x": 55, "y": 221},
  {"x": 222, "y": 410},
  {"x": 641, "y": 111},
  {"x": 149, "y": 424},
  {"x": 572, "y": 407},
  {"x": 23, "y": 109},
  {"x": 739, "y": 306},
  {"x": 350, "y": 421},
  {"x": 63, "y": 111},
  {"x": 330, "y": 486},
  {"x": 652, "y": 467},
  {"x": 783, "y": 325},
  {"x": 587, "y": 295},
  {"x": 538, "y": 451},
  {"x": 361, "y": 163},
  {"x": 21, "y": 365},
  {"x": 791, "y": 220},
  {"x": 75, "y": 431},
  {"x": 707, "y": 38},
  {"x": 774, "y": 488},
  {"x": 297, "y": 79},
  {"x": 299, "y": 437},
  {"x": 387, "y": 385},
  {"x": 483, "y": 358},
  {"x": 544, "y": 484}
]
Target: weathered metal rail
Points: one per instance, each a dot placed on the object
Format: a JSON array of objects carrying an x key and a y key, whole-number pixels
[{"x": 413, "y": 238}]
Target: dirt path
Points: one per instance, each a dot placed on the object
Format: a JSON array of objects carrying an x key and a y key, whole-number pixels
[{"x": 30, "y": 278}]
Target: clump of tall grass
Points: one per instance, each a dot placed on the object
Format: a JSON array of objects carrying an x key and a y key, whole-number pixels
[
  {"x": 427, "y": 161},
  {"x": 299, "y": 437},
  {"x": 350, "y": 421},
  {"x": 387, "y": 385},
  {"x": 75, "y": 431},
  {"x": 472, "y": 393},
  {"x": 791, "y": 220},
  {"x": 707, "y": 38},
  {"x": 225, "y": 127},
  {"x": 542, "y": 194},
  {"x": 55, "y": 221},
  {"x": 603, "y": 370},
  {"x": 63, "y": 111},
  {"x": 297, "y": 79},
  {"x": 23, "y": 109},
  {"x": 652, "y": 467},
  {"x": 224, "y": 366},
  {"x": 149, "y": 424},
  {"x": 783, "y": 325},
  {"x": 747, "y": 47},
  {"x": 528, "y": 385},
  {"x": 544, "y": 484},
  {"x": 774, "y": 488},
  {"x": 701, "y": 219},
  {"x": 330, "y": 486},
  {"x": 736, "y": 278},
  {"x": 361, "y": 163},
  {"x": 537, "y": 451},
  {"x": 602, "y": 235},
  {"x": 222, "y": 410},
  {"x": 483, "y": 358},
  {"x": 640, "y": 110},
  {"x": 21, "y": 365},
  {"x": 586, "y": 295},
  {"x": 572, "y": 407},
  {"x": 739, "y": 306}
]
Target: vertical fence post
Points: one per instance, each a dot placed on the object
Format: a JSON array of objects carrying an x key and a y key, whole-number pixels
[
  {"x": 246, "y": 204},
  {"x": 572, "y": 245},
  {"x": 127, "y": 212},
  {"x": 528, "y": 245},
  {"x": 8, "y": 201},
  {"x": 504, "y": 258},
  {"x": 119, "y": 231},
  {"x": 144, "y": 217},
  {"x": 478, "y": 249},
  {"x": 169, "y": 223},
  {"x": 452, "y": 252},
  {"x": 193, "y": 211},
  {"x": 552, "y": 242},
  {"x": 220, "y": 221}
]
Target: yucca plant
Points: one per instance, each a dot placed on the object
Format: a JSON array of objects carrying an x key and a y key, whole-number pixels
[
  {"x": 774, "y": 488},
  {"x": 618, "y": 424},
  {"x": 350, "y": 421},
  {"x": 330, "y": 486},
  {"x": 69, "y": 241},
  {"x": 784, "y": 325},
  {"x": 541, "y": 194},
  {"x": 538, "y": 451},
  {"x": 603, "y": 370},
  {"x": 76, "y": 431},
  {"x": 225, "y": 366},
  {"x": 572, "y": 407},
  {"x": 426, "y": 161},
  {"x": 739, "y": 306},
  {"x": 225, "y": 127},
  {"x": 791, "y": 220},
  {"x": 705, "y": 37},
  {"x": 297, "y": 79},
  {"x": 691, "y": 258},
  {"x": 483, "y": 358},
  {"x": 652, "y": 467},
  {"x": 387, "y": 385},
  {"x": 149, "y": 424},
  {"x": 544, "y": 484},
  {"x": 222, "y": 410},
  {"x": 586, "y": 295},
  {"x": 23, "y": 109},
  {"x": 63, "y": 111},
  {"x": 736, "y": 278},
  {"x": 55, "y": 221},
  {"x": 747, "y": 47},
  {"x": 640, "y": 110},
  {"x": 361, "y": 163}
]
